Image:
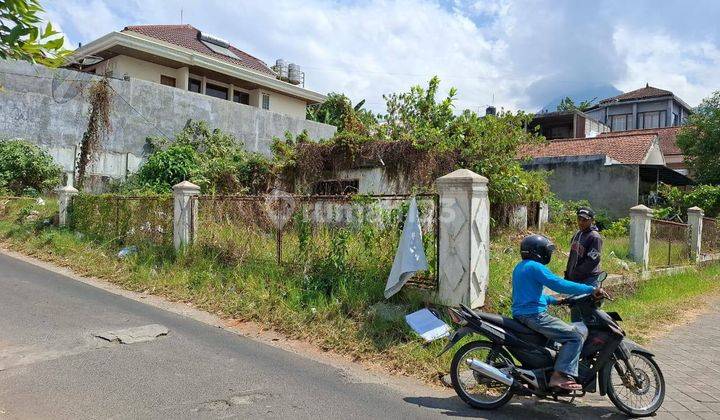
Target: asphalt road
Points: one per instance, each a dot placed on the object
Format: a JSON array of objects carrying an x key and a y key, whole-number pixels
[{"x": 53, "y": 366}]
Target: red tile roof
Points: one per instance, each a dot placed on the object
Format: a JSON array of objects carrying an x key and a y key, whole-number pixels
[
  {"x": 625, "y": 148},
  {"x": 642, "y": 93},
  {"x": 667, "y": 137},
  {"x": 187, "y": 36}
]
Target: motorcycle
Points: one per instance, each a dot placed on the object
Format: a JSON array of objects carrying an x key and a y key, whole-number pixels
[{"x": 515, "y": 360}]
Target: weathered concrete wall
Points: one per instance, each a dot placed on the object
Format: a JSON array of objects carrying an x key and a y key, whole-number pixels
[
  {"x": 613, "y": 188},
  {"x": 48, "y": 107}
]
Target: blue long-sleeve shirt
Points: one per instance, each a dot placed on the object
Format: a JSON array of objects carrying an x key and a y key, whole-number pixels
[{"x": 529, "y": 278}]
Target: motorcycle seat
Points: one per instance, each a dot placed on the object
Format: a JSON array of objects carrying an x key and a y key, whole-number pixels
[{"x": 504, "y": 322}]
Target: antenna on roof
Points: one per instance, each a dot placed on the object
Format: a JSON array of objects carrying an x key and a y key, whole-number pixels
[{"x": 181, "y": 15}]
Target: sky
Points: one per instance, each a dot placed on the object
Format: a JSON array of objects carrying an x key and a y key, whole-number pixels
[{"x": 513, "y": 54}]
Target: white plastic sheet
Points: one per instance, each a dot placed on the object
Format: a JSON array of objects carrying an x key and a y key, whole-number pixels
[
  {"x": 410, "y": 256},
  {"x": 427, "y": 325}
]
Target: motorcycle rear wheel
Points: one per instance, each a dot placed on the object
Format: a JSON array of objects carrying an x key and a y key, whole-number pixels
[
  {"x": 475, "y": 389},
  {"x": 642, "y": 399}
]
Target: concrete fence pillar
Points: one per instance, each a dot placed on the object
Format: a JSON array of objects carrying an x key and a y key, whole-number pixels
[
  {"x": 519, "y": 217},
  {"x": 65, "y": 195},
  {"x": 695, "y": 220},
  {"x": 543, "y": 215},
  {"x": 184, "y": 213},
  {"x": 640, "y": 219},
  {"x": 464, "y": 238}
]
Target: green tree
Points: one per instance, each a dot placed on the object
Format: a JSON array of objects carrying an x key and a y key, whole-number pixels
[
  {"x": 337, "y": 108},
  {"x": 567, "y": 104},
  {"x": 700, "y": 141},
  {"x": 26, "y": 168},
  {"x": 23, "y": 38},
  {"x": 417, "y": 117}
]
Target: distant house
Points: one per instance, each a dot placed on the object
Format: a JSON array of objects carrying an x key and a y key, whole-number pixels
[
  {"x": 613, "y": 171},
  {"x": 189, "y": 59},
  {"x": 667, "y": 138},
  {"x": 645, "y": 108},
  {"x": 566, "y": 124}
]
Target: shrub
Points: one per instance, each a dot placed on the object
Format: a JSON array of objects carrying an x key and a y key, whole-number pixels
[
  {"x": 166, "y": 168},
  {"x": 213, "y": 159},
  {"x": 25, "y": 169},
  {"x": 618, "y": 228}
]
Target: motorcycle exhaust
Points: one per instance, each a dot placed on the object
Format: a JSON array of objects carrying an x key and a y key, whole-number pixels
[{"x": 489, "y": 371}]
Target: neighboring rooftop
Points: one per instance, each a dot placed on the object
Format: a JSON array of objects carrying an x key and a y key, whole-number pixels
[
  {"x": 667, "y": 137},
  {"x": 187, "y": 36},
  {"x": 626, "y": 148},
  {"x": 643, "y": 93}
]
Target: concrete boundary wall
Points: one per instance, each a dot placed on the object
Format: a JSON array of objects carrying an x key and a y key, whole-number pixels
[{"x": 49, "y": 108}]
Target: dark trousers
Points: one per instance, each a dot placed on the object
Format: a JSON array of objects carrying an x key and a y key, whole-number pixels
[{"x": 575, "y": 315}]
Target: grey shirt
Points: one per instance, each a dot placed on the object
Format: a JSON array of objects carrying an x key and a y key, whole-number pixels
[{"x": 584, "y": 259}]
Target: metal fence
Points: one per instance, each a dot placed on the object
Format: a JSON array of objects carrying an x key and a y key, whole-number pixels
[
  {"x": 710, "y": 238},
  {"x": 126, "y": 220},
  {"x": 669, "y": 243},
  {"x": 361, "y": 232}
]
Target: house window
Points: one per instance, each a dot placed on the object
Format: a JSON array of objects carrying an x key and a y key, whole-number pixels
[
  {"x": 194, "y": 85},
  {"x": 241, "y": 97},
  {"x": 167, "y": 80},
  {"x": 336, "y": 187},
  {"x": 653, "y": 119},
  {"x": 676, "y": 119},
  {"x": 265, "y": 101},
  {"x": 216, "y": 91},
  {"x": 620, "y": 122}
]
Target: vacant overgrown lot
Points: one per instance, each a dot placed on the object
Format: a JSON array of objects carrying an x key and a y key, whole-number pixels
[{"x": 332, "y": 299}]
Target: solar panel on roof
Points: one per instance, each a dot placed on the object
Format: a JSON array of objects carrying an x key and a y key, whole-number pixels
[{"x": 221, "y": 50}]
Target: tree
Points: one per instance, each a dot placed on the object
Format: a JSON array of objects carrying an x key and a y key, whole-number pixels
[
  {"x": 567, "y": 104},
  {"x": 337, "y": 108},
  {"x": 700, "y": 140},
  {"x": 22, "y": 37}
]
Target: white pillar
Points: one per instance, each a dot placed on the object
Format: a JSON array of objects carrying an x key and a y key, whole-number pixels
[
  {"x": 182, "y": 78},
  {"x": 543, "y": 216},
  {"x": 640, "y": 219},
  {"x": 464, "y": 238},
  {"x": 65, "y": 195},
  {"x": 184, "y": 213},
  {"x": 695, "y": 220}
]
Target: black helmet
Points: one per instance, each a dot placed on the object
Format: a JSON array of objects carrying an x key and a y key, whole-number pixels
[{"x": 537, "y": 248}]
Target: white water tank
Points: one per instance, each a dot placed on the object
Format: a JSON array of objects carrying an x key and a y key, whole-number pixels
[
  {"x": 295, "y": 75},
  {"x": 281, "y": 68}
]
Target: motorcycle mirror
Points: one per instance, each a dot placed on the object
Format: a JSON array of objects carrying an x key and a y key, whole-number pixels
[{"x": 601, "y": 277}]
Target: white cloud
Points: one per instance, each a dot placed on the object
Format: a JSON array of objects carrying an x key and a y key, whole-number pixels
[
  {"x": 521, "y": 52},
  {"x": 687, "y": 69}
]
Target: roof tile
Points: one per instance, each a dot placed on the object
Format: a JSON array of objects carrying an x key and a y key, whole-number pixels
[
  {"x": 642, "y": 93},
  {"x": 625, "y": 148},
  {"x": 667, "y": 137},
  {"x": 186, "y": 36}
]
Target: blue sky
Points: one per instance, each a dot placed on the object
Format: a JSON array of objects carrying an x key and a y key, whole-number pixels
[{"x": 516, "y": 54}]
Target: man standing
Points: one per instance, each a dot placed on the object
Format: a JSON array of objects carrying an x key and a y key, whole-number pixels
[{"x": 583, "y": 264}]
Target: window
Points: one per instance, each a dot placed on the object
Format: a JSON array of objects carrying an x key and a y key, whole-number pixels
[
  {"x": 265, "y": 101},
  {"x": 620, "y": 122},
  {"x": 167, "y": 80},
  {"x": 336, "y": 187},
  {"x": 676, "y": 119},
  {"x": 216, "y": 91},
  {"x": 241, "y": 97},
  {"x": 194, "y": 85},
  {"x": 653, "y": 119}
]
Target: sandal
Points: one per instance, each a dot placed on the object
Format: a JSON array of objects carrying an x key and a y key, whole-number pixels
[{"x": 568, "y": 384}]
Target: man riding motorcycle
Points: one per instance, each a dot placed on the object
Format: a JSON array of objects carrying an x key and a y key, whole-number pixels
[{"x": 529, "y": 306}]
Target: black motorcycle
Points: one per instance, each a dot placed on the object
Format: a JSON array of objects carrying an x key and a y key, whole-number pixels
[{"x": 517, "y": 360}]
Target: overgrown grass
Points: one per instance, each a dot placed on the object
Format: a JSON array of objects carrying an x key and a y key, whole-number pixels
[
  {"x": 660, "y": 302},
  {"x": 330, "y": 302}
]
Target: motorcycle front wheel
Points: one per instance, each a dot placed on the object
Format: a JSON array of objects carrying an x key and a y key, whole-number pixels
[
  {"x": 636, "y": 398},
  {"x": 477, "y": 390}
]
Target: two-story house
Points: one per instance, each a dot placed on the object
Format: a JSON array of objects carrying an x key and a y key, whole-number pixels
[
  {"x": 184, "y": 57},
  {"x": 644, "y": 108}
]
